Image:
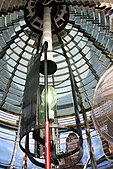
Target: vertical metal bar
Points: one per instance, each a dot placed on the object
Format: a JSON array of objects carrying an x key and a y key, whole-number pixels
[
  {"x": 77, "y": 118},
  {"x": 88, "y": 136},
  {"x": 86, "y": 164},
  {"x": 15, "y": 145},
  {"x": 46, "y": 82},
  {"x": 24, "y": 162},
  {"x": 47, "y": 41},
  {"x": 46, "y": 125},
  {"x": 47, "y": 145},
  {"x": 47, "y": 32}
]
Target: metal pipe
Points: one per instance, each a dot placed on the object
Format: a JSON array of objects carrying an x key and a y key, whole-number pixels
[
  {"x": 86, "y": 164},
  {"x": 47, "y": 145},
  {"x": 46, "y": 110},
  {"x": 15, "y": 146},
  {"x": 77, "y": 118},
  {"x": 88, "y": 136},
  {"x": 47, "y": 42},
  {"x": 47, "y": 32}
]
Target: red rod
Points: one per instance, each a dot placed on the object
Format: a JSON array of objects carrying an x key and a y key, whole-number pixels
[{"x": 47, "y": 145}]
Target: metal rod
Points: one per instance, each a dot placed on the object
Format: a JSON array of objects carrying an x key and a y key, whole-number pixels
[
  {"x": 47, "y": 32},
  {"x": 46, "y": 110},
  {"x": 88, "y": 136},
  {"x": 15, "y": 145},
  {"x": 86, "y": 164},
  {"x": 47, "y": 41},
  {"x": 47, "y": 145},
  {"x": 77, "y": 118}
]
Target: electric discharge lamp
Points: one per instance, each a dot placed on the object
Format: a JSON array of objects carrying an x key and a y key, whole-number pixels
[{"x": 52, "y": 100}]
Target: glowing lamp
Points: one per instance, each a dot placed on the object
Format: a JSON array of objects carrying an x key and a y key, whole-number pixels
[{"x": 52, "y": 100}]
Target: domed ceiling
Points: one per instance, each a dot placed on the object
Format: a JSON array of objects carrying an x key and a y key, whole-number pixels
[{"x": 83, "y": 34}]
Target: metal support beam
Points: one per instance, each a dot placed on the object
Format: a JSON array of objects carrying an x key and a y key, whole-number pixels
[
  {"x": 47, "y": 42},
  {"x": 88, "y": 137},
  {"x": 46, "y": 108},
  {"x": 15, "y": 146}
]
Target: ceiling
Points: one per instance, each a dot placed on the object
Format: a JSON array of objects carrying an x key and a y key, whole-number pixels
[{"x": 86, "y": 40}]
